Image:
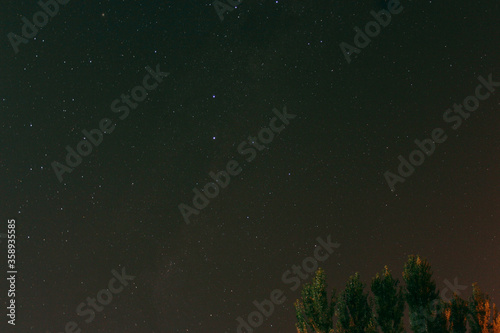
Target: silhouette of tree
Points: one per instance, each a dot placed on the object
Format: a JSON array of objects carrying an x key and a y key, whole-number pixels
[
  {"x": 429, "y": 313},
  {"x": 458, "y": 314},
  {"x": 389, "y": 303},
  {"x": 420, "y": 292},
  {"x": 353, "y": 311}
]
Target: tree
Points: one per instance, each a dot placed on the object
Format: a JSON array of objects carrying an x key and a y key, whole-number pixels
[
  {"x": 389, "y": 302},
  {"x": 353, "y": 311},
  {"x": 420, "y": 292},
  {"x": 441, "y": 320},
  {"x": 458, "y": 316},
  {"x": 428, "y": 312},
  {"x": 479, "y": 310},
  {"x": 315, "y": 312},
  {"x": 495, "y": 326}
]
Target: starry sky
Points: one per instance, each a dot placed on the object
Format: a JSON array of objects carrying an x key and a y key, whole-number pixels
[{"x": 322, "y": 175}]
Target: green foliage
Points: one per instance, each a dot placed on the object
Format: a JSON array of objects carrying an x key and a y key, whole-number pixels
[
  {"x": 315, "y": 312},
  {"x": 353, "y": 311},
  {"x": 389, "y": 302},
  {"x": 420, "y": 292},
  {"x": 458, "y": 317},
  {"x": 428, "y": 312},
  {"x": 440, "y": 321}
]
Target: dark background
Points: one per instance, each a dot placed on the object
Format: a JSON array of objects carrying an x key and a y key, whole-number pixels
[{"x": 324, "y": 174}]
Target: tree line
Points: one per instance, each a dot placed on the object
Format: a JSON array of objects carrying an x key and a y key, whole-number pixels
[{"x": 355, "y": 311}]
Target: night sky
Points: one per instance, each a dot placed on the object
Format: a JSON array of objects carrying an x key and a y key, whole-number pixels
[{"x": 322, "y": 174}]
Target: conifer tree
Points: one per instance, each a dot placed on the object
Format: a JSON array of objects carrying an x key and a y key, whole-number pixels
[
  {"x": 495, "y": 325},
  {"x": 420, "y": 292},
  {"x": 315, "y": 312},
  {"x": 389, "y": 302},
  {"x": 428, "y": 312},
  {"x": 353, "y": 312},
  {"x": 479, "y": 310},
  {"x": 441, "y": 317},
  {"x": 458, "y": 316}
]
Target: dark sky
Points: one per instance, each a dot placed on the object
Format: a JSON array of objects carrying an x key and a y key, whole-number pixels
[{"x": 322, "y": 175}]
